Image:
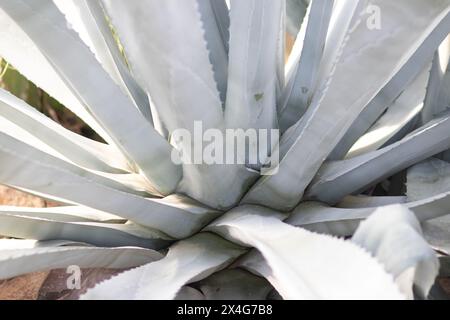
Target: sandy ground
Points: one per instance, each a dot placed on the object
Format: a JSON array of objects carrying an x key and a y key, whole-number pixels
[{"x": 11, "y": 197}]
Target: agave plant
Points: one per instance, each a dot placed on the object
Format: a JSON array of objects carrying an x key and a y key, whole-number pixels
[{"x": 361, "y": 105}]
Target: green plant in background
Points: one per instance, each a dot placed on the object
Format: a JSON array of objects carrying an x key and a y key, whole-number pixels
[{"x": 359, "y": 107}]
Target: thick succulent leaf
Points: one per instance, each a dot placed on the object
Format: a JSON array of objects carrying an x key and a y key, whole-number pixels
[
  {"x": 251, "y": 95},
  {"x": 393, "y": 235},
  {"x": 343, "y": 16},
  {"x": 58, "y": 141},
  {"x": 424, "y": 180},
  {"x": 188, "y": 261},
  {"x": 27, "y": 168},
  {"x": 222, "y": 15},
  {"x": 19, "y": 50},
  {"x": 437, "y": 98},
  {"x": 296, "y": 12},
  {"x": 337, "y": 179},
  {"x": 297, "y": 271},
  {"x": 22, "y": 261},
  {"x": 63, "y": 214},
  {"x": 164, "y": 65},
  {"x": 390, "y": 92},
  {"x": 89, "y": 21},
  {"x": 16, "y": 244},
  {"x": 189, "y": 293},
  {"x": 306, "y": 57},
  {"x": 255, "y": 263},
  {"x": 362, "y": 201},
  {"x": 216, "y": 23},
  {"x": 437, "y": 233},
  {"x": 252, "y": 77},
  {"x": 81, "y": 20},
  {"x": 200, "y": 182},
  {"x": 318, "y": 217},
  {"x": 102, "y": 97},
  {"x": 19, "y": 149},
  {"x": 427, "y": 179},
  {"x": 332, "y": 112},
  {"x": 175, "y": 69},
  {"x": 16, "y": 225},
  {"x": 234, "y": 284},
  {"x": 282, "y": 50},
  {"x": 396, "y": 118}
]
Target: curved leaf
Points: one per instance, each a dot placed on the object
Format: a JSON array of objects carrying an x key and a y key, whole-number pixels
[
  {"x": 22, "y": 261},
  {"x": 393, "y": 235},
  {"x": 297, "y": 271},
  {"x": 188, "y": 261},
  {"x": 406, "y": 24},
  {"x": 335, "y": 180},
  {"x": 29, "y": 169},
  {"x": 46, "y": 26}
]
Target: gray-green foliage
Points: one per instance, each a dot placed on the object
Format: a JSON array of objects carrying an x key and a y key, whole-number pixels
[{"x": 360, "y": 103}]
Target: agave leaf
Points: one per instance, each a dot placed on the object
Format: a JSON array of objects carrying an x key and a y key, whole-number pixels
[
  {"x": 19, "y": 50},
  {"x": 189, "y": 293},
  {"x": 255, "y": 263},
  {"x": 343, "y": 17},
  {"x": 362, "y": 201},
  {"x": 432, "y": 207},
  {"x": 60, "y": 142},
  {"x": 89, "y": 21},
  {"x": 175, "y": 69},
  {"x": 296, "y": 12},
  {"x": 81, "y": 20},
  {"x": 318, "y": 217},
  {"x": 187, "y": 261},
  {"x": 423, "y": 181},
  {"x": 197, "y": 179},
  {"x": 63, "y": 214},
  {"x": 306, "y": 57},
  {"x": 410, "y": 70},
  {"x": 252, "y": 77},
  {"x": 46, "y": 176},
  {"x": 48, "y": 29},
  {"x": 22, "y": 261},
  {"x": 428, "y": 178},
  {"x": 397, "y": 117},
  {"x": 216, "y": 22},
  {"x": 16, "y": 244},
  {"x": 114, "y": 181},
  {"x": 222, "y": 15},
  {"x": 437, "y": 233},
  {"x": 99, "y": 234},
  {"x": 335, "y": 180},
  {"x": 234, "y": 284},
  {"x": 164, "y": 64},
  {"x": 334, "y": 110},
  {"x": 437, "y": 99},
  {"x": 394, "y": 236},
  {"x": 297, "y": 271},
  {"x": 282, "y": 51}
]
